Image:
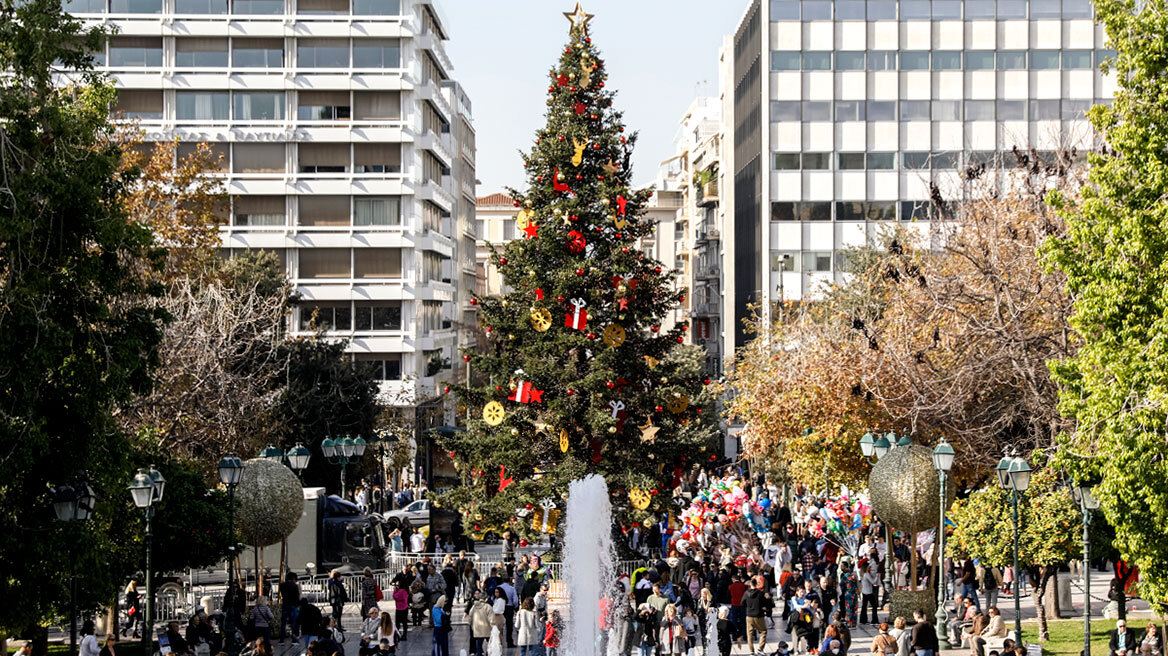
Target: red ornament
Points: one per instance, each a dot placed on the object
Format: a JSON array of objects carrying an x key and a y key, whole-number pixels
[
  {"x": 559, "y": 299},
  {"x": 579, "y": 272},
  {"x": 653, "y": 491},
  {"x": 579, "y": 176},
  {"x": 600, "y": 177},
  {"x": 699, "y": 411},
  {"x": 474, "y": 301},
  {"x": 618, "y": 235},
  {"x": 466, "y": 358},
  {"x": 623, "y": 140},
  {"x": 445, "y": 390},
  {"x": 531, "y": 231},
  {"x": 685, "y": 327},
  {"x": 539, "y": 294},
  {"x": 523, "y": 543},
  {"x": 450, "y": 453},
  {"x": 680, "y": 339},
  {"x": 527, "y": 506},
  {"x": 655, "y": 328},
  {"x": 658, "y": 408},
  {"x": 517, "y": 202},
  {"x": 561, "y": 137},
  {"x": 610, "y": 384},
  {"x": 573, "y": 218},
  {"x": 579, "y": 107},
  {"x": 587, "y": 39},
  {"x": 478, "y": 528},
  {"x": 591, "y": 335},
  {"x": 502, "y": 261},
  {"x": 713, "y": 457},
  {"x": 625, "y": 249},
  {"x": 657, "y": 269},
  {"x": 621, "y": 202},
  {"x": 570, "y": 392},
  {"x": 621, "y": 129},
  {"x": 705, "y": 381},
  {"x": 498, "y": 388},
  {"x": 556, "y": 184},
  {"x": 595, "y": 146},
  {"x": 601, "y": 85},
  {"x": 576, "y": 245},
  {"x": 594, "y": 117}
]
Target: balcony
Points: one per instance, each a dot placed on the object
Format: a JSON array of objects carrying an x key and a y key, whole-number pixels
[{"x": 708, "y": 193}]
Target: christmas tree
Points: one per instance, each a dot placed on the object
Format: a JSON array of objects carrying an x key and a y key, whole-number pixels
[{"x": 578, "y": 375}]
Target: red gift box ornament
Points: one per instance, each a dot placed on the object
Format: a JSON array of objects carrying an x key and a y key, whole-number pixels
[
  {"x": 577, "y": 318},
  {"x": 525, "y": 392}
]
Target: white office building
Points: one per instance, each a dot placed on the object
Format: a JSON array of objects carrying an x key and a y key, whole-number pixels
[
  {"x": 841, "y": 117},
  {"x": 348, "y": 151}
]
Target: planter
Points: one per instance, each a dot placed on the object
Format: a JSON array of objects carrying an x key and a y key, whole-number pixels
[{"x": 905, "y": 602}]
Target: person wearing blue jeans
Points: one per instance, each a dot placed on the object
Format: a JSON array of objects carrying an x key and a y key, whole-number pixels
[{"x": 442, "y": 627}]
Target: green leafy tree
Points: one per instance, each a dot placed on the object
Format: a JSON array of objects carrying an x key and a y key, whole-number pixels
[
  {"x": 1049, "y": 533},
  {"x": 577, "y": 355},
  {"x": 80, "y": 322},
  {"x": 1115, "y": 386}
]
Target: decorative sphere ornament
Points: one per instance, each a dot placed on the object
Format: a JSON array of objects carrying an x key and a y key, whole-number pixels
[
  {"x": 514, "y": 432},
  {"x": 269, "y": 502},
  {"x": 612, "y": 429},
  {"x": 905, "y": 490}
]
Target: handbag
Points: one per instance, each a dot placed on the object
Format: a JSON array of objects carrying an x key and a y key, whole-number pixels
[{"x": 377, "y": 594}]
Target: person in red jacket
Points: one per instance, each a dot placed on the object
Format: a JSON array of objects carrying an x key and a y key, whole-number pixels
[
  {"x": 737, "y": 610},
  {"x": 551, "y": 636}
]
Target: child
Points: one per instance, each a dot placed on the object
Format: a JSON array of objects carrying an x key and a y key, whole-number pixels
[
  {"x": 690, "y": 622},
  {"x": 551, "y": 636},
  {"x": 401, "y": 604}
]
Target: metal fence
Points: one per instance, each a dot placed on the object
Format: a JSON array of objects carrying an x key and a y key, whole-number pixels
[{"x": 179, "y": 606}]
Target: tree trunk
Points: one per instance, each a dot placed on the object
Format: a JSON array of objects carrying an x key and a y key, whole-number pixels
[
  {"x": 912, "y": 562},
  {"x": 257, "y": 556},
  {"x": 1040, "y": 579}
]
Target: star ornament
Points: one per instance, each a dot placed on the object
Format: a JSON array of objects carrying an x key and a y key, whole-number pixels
[
  {"x": 579, "y": 19},
  {"x": 649, "y": 432},
  {"x": 531, "y": 230}
]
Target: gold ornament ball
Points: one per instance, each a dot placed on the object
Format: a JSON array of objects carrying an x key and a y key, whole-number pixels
[
  {"x": 514, "y": 432},
  {"x": 527, "y": 203},
  {"x": 612, "y": 429},
  {"x": 604, "y": 201},
  {"x": 506, "y": 303},
  {"x": 531, "y": 273},
  {"x": 677, "y": 395},
  {"x": 571, "y": 76}
]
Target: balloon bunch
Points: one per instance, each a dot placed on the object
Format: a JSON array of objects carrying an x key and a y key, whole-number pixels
[
  {"x": 840, "y": 519},
  {"x": 722, "y": 517}
]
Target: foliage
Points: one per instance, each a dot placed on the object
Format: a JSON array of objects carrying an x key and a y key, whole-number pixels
[
  {"x": 174, "y": 195},
  {"x": 584, "y": 379},
  {"x": 949, "y": 339},
  {"x": 268, "y": 502},
  {"x": 223, "y": 365},
  {"x": 1113, "y": 256},
  {"x": 80, "y": 326}
]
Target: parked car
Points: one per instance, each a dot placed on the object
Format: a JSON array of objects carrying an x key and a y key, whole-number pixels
[{"x": 416, "y": 514}]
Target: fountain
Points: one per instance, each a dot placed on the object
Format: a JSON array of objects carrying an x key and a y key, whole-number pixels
[{"x": 588, "y": 563}]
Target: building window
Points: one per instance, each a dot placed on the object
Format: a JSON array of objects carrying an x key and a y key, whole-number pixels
[
  {"x": 979, "y": 10},
  {"x": 881, "y": 10},
  {"x": 915, "y": 160},
  {"x": 947, "y": 10},
  {"x": 377, "y": 158},
  {"x": 784, "y": 10},
  {"x": 322, "y": 7},
  {"x": 816, "y": 161},
  {"x": 817, "y": 61},
  {"x": 865, "y": 211},
  {"x": 377, "y": 105},
  {"x": 807, "y": 211},
  {"x": 378, "y": 316},
  {"x": 915, "y": 10},
  {"x": 260, "y": 211},
  {"x": 326, "y": 316},
  {"x": 377, "y": 263},
  {"x": 259, "y": 106},
  {"x": 324, "y": 157},
  {"x": 432, "y": 267},
  {"x": 785, "y": 110},
  {"x": 1045, "y": 110},
  {"x": 200, "y": 53},
  {"x": 1011, "y": 110},
  {"x": 947, "y": 60},
  {"x": 979, "y": 60},
  {"x": 322, "y": 53},
  {"x": 1076, "y": 59},
  {"x": 1075, "y": 110},
  {"x": 914, "y": 110},
  {"x": 431, "y": 316},
  {"x": 1076, "y": 8},
  {"x": 816, "y": 10},
  {"x": 258, "y": 158},
  {"x": 849, "y": 110},
  {"x": 945, "y": 160},
  {"x": 946, "y": 110},
  {"x": 381, "y": 53},
  {"x": 881, "y": 161},
  {"x": 817, "y": 110},
  {"x": 1011, "y": 8},
  {"x": 383, "y": 366},
  {"x": 508, "y": 229},
  {"x": 145, "y": 105},
  {"x": 135, "y": 6},
  {"x": 257, "y": 53},
  {"x": 432, "y": 217},
  {"x": 376, "y": 7},
  {"x": 816, "y": 262},
  {"x": 782, "y": 60},
  {"x": 849, "y": 10},
  {"x": 323, "y": 106},
  {"x": 220, "y": 154},
  {"x": 376, "y": 211},
  {"x": 881, "y": 110},
  {"x": 218, "y": 7},
  {"x": 83, "y": 6},
  {"x": 914, "y": 61},
  {"x": 1045, "y": 9},
  {"x": 258, "y": 7},
  {"x": 135, "y": 52},
  {"x": 325, "y": 263},
  {"x": 849, "y": 61},
  {"x": 979, "y": 110},
  {"x": 850, "y": 161},
  {"x": 882, "y": 60},
  {"x": 1044, "y": 59},
  {"x": 202, "y": 105},
  {"x": 1012, "y": 60},
  {"x": 323, "y": 210},
  {"x": 784, "y": 260}
]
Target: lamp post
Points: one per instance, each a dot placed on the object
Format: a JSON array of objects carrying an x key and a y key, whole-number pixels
[
  {"x": 230, "y": 475},
  {"x": 1014, "y": 475},
  {"x": 298, "y": 457},
  {"x": 341, "y": 452},
  {"x": 875, "y": 447},
  {"x": 1087, "y": 502},
  {"x": 146, "y": 490},
  {"x": 943, "y": 462},
  {"x": 73, "y": 502}
]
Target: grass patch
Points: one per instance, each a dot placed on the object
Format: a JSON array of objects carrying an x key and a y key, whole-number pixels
[{"x": 1066, "y": 636}]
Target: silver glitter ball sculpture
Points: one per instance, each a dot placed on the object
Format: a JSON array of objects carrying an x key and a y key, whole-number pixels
[
  {"x": 269, "y": 502},
  {"x": 904, "y": 488}
]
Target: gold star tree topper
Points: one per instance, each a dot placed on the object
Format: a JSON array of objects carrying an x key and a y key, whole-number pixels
[{"x": 579, "y": 19}]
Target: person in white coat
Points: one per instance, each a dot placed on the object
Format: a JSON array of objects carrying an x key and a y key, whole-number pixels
[{"x": 528, "y": 626}]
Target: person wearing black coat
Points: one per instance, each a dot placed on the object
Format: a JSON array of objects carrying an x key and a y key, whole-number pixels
[
  {"x": 924, "y": 636},
  {"x": 1123, "y": 640},
  {"x": 647, "y": 630},
  {"x": 311, "y": 621},
  {"x": 727, "y": 631}
]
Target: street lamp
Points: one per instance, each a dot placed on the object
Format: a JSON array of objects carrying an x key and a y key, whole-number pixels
[
  {"x": 71, "y": 503},
  {"x": 1087, "y": 502},
  {"x": 342, "y": 452},
  {"x": 298, "y": 457},
  {"x": 230, "y": 475},
  {"x": 873, "y": 446},
  {"x": 146, "y": 490},
  {"x": 943, "y": 462},
  {"x": 1014, "y": 475},
  {"x": 272, "y": 453}
]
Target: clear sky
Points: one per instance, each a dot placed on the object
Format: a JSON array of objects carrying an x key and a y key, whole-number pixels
[{"x": 660, "y": 55}]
